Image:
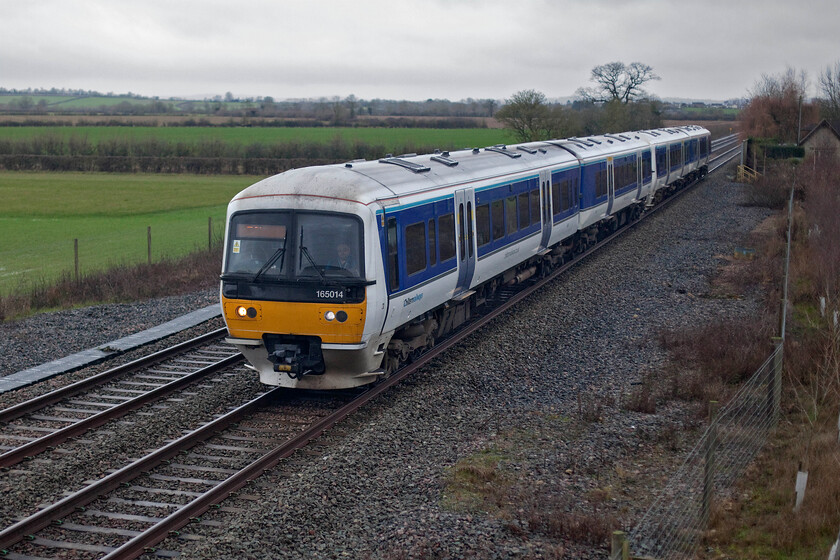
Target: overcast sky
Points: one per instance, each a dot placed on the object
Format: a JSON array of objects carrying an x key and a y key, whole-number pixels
[{"x": 415, "y": 49}]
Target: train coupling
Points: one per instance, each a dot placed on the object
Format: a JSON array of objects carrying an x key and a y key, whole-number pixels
[{"x": 296, "y": 356}]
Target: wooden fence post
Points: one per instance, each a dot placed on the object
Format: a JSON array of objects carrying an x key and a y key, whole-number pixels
[
  {"x": 76, "y": 259},
  {"x": 619, "y": 547},
  {"x": 709, "y": 467}
]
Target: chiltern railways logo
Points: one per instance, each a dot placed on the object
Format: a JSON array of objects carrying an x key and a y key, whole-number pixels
[{"x": 412, "y": 299}]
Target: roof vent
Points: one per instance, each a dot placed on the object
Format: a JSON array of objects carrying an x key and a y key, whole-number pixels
[
  {"x": 503, "y": 150},
  {"x": 410, "y": 165},
  {"x": 445, "y": 160}
]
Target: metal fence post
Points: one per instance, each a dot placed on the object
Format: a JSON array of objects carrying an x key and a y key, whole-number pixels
[
  {"x": 774, "y": 384},
  {"x": 783, "y": 318},
  {"x": 709, "y": 467}
]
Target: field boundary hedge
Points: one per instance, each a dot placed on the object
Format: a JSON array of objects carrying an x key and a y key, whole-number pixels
[
  {"x": 52, "y": 152},
  {"x": 152, "y": 164}
]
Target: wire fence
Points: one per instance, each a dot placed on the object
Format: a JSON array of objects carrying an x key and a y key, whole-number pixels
[{"x": 673, "y": 525}]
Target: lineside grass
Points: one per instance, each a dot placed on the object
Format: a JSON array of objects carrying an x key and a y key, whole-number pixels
[
  {"x": 124, "y": 282},
  {"x": 109, "y": 215}
]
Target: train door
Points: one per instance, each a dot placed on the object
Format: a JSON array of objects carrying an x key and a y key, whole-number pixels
[
  {"x": 545, "y": 195},
  {"x": 610, "y": 185},
  {"x": 464, "y": 204}
]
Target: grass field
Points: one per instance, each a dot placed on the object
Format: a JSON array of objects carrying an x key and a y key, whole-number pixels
[
  {"x": 74, "y": 102},
  {"x": 109, "y": 214},
  {"x": 445, "y": 139}
]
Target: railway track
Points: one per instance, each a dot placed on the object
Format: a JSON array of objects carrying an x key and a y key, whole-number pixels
[
  {"x": 143, "y": 507},
  {"x": 44, "y": 422}
]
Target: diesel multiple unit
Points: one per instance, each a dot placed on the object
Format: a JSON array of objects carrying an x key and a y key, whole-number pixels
[{"x": 335, "y": 275}]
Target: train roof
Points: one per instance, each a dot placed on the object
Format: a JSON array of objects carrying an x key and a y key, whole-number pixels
[{"x": 393, "y": 177}]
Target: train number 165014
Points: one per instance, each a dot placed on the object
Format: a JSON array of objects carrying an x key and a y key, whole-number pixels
[{"x": 329, "y": 294}]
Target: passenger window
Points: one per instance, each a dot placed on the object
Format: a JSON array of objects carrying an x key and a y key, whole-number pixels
[
  {"x": 446, "y": 229},
  {"x": 565, "y": 195},
  {"x": 600, "y": 183},
  {"x": 432, "y": 248},
  {"x": 415, "y": 248},
  {"x": 524, "y": 214},
  {"x": 510, "y": 215},
  {"x": 535, "y": 206},
  {"x": 482, "y": 224},
  {"x": 556, "y": 187},
  {"x": 393, "y": 256},
  {"x": 498, "y": 212}
]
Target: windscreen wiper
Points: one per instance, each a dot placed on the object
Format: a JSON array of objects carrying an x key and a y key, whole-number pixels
[
  {"x": 277, "y": 254},
  {"x": 304, "y": 251}
]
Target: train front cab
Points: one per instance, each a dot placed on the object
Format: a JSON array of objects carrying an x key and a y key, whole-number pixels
[{"x": 296, "y": 296}]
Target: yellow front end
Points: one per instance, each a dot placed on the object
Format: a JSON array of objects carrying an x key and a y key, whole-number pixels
[
  {"x": 282, "y": 317},
  {"x": 349, "y": 360}
]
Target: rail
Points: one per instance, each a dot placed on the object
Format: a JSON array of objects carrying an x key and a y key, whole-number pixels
[{"x": 221, "y": 359}]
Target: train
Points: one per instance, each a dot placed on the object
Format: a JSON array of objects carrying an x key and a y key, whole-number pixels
[{"x": 334, "y": 276}]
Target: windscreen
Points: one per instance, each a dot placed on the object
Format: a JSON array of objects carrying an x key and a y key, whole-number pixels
[
  {"x": 257, "y": 242},
  {"x": 284, "y": 244},
  {"x": 329, "y": 245}
]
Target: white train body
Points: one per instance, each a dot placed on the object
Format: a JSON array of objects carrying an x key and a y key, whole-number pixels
[{"x": 333, "y": 276}]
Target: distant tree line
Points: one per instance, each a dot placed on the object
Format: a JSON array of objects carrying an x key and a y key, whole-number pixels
[
  {"x": 334, "y": 111},
  {"x": 238, "y": 122}
]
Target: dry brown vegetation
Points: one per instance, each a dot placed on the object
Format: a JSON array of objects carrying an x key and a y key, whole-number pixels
[
  {"x": 777, "y": 107},
  {"x": 122, "y": 283}
]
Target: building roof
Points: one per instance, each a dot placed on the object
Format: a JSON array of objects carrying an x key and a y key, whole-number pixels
[{"x": 832, "y": 127}]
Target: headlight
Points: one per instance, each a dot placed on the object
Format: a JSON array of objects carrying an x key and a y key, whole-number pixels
[
  {"x": 332, "y": 316},
  {"x": 242, "y": 311}
]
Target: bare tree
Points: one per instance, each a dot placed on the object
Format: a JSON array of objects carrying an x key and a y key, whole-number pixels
[
  {"x": 776, "y": 102},
  {"x": 830, "y": 88},
  {"x": 352, "y": 105},
  {"x": 616, "y": 81},
  {"x": 526, "y": 113}
]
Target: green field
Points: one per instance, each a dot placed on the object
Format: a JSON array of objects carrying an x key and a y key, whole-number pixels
[
  {"x": 445, "y": 139},
  {"x": 68, "y": 101},
  {"x": 109, "y": 214}
]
